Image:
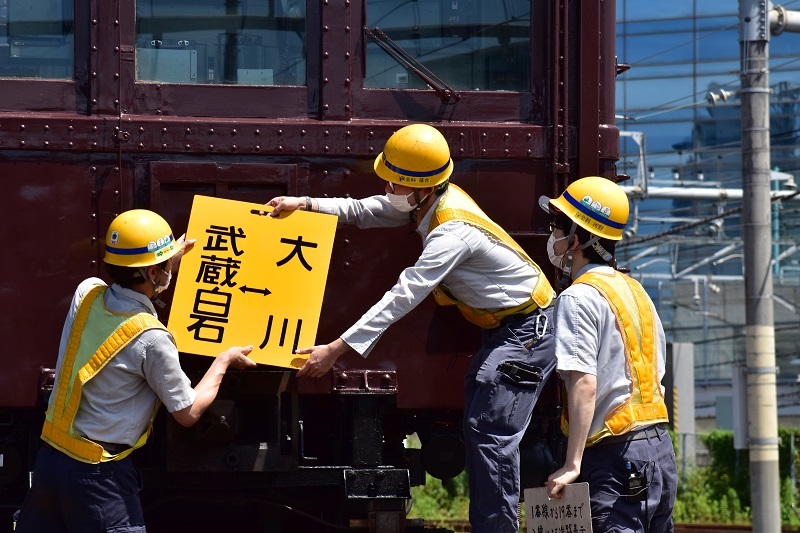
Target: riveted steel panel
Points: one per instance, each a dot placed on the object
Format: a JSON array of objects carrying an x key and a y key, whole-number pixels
[
  {"x": 377, "y": 483},
  {"x": 56, "y": 216}
]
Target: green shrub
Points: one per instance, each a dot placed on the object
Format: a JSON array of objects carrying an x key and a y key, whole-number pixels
[
  {"x": 730, "y": 470},
  {"x": 441, "y": 500},
  {"x": 717, "y": 494},
  {"x": 701, "y": 501}
]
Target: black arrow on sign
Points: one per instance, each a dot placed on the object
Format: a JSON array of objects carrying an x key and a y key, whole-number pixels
[{"x": 264, "y": 291}]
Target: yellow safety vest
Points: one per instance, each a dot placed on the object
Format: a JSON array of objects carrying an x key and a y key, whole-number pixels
[
  {"x": 636, "y": 322},
  {"x": 457, "y": 205},
  {"x": 97, "y": 335}
]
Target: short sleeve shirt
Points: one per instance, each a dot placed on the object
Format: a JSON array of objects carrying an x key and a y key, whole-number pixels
[
  {"x": 118, "y": 403},
  {"x": 588, "y": 340}
]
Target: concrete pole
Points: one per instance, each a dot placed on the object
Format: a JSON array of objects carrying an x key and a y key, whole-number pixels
[{"x": 762, "y": 410}]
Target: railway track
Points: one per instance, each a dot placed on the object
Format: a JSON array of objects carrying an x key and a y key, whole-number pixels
[
  {"x": 462, "y": 526},
  {"x": 723, "y": 528}
]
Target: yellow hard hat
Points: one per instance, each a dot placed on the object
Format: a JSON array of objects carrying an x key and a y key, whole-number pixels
[
  {"x": 415, "y": 156},
  {"x": 596, "y": 204},
  {"x": 139, "y": 238}
]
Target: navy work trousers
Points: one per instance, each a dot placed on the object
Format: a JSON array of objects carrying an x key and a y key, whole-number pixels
[
  {"x": 604, "y": 467},
  {"x": 70, "y": 496},
  {"x": 496, "y": 414}
]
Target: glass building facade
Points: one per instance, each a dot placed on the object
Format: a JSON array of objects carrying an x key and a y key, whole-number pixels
[{"x": 682, "y": 94}]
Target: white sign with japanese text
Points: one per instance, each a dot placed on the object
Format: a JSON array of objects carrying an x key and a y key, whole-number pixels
[
  {"x": 569, "y": 514},
  {"x": 251, "y": 279}
]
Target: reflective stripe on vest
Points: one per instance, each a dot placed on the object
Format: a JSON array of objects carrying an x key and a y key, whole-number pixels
[
  {"x": 636, "y": 322},
  {"x": 457, "y": 205},
  {"x": 97, "y": 335}
]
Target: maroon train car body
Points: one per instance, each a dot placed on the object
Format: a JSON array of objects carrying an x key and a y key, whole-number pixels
[{"x": 108, "y": 105}]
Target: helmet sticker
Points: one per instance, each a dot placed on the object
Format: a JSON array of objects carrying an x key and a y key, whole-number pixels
[
  {"x": 114, "y": 237},
  {"x": 596, "y": 206},
  {"x": 160, "y": 243},
  {"x": 164, "y": 251}
]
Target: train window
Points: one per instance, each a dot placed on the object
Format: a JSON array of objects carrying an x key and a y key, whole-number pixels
[
  {"x": 482, "y": 45},
  {"x": 236, "y": 42},
  {"x": 36, "y": 39}
]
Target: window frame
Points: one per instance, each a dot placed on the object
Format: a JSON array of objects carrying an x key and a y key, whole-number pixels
[
  {"x": 57, "y": 95},
  {"x": 154, "y": 98},
  {"x": 425, "y": 105},
  {"x": 105, "y": 78}
]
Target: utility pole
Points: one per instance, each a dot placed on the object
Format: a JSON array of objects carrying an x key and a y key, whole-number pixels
[
  {"x": 757, "y": 18},
  {"x": 761, "y": 372}
]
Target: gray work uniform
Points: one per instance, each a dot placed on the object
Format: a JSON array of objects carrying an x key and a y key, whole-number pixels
[
  {"x": 484, "y": 274},
  {"x": 588, "y": 340},
  {"x": 115, "y": 409}
]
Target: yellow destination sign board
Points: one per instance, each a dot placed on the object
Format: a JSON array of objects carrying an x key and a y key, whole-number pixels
[{"x": 251, "y": 279}]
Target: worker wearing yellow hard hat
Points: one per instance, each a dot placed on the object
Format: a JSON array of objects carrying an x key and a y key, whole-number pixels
[
  {"x": 139, "y": 238},
  {"x": 416, "y": 156},
  {"x": 471, "y": 263},
  {"x": 116, "y": 365},
  {"x": 596, "y": 205},
  {"x": 611, "y": 352}
]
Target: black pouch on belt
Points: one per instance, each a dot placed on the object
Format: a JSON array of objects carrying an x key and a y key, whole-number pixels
[
  {"x": 636, "y": 487},
  {"x": 520, "y": 374}
]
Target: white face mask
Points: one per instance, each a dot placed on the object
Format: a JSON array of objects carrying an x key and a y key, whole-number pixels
[
  {"x": 161, "y": 288},
  {"x": 551, "y": 252},
  {"x": 400, "y": 202}
]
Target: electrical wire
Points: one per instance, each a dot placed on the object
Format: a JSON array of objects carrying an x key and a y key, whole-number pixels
[
  {"x": 683, "y": 227},
  {"x": 660, "y": 109},
  {"x": 691, "y": 42}
]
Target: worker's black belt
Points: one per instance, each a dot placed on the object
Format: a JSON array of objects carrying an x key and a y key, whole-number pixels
[
  {"x": 516, "y": 317},
  {"x": 649, "y": 432},
  {"x": 111, "y": 447}
]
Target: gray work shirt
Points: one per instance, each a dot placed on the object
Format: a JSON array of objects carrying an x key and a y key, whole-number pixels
[
  {"x": 588, "y": 340},
  {"x": 477, "y": 269},
  {"x": 118, "y": 402}
]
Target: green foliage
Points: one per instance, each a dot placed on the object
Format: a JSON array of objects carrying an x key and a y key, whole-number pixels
[
  {"x": 717, "y": 494},
  {"x": 702, "y": 500},
  {"x": 720, "y": 493},
  {"x": 789, "y": 460},
  {"x": 730, "y": 468},
  {"x": 711, "y": 494},
  {"x": 789, "y": 512},
  {"x": 441, "y": 500}
]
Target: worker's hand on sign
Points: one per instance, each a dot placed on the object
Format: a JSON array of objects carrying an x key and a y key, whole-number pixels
[
  {"x": 285, "y": 203},
  {"x": 236, "y": 357},
  {"x": 321, "y": 359},
  {"x": 186, "y": 246},
  {"x": 558, "y": 479}
]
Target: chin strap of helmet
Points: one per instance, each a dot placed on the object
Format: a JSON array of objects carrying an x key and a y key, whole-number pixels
[
  {"x": 566, "y": 268},
  {"x": 155, "y": 298},
  {"x": 602, "y": 252},
  {"x": 412, "y": 215},
  {"x": 143, "y": 273}
]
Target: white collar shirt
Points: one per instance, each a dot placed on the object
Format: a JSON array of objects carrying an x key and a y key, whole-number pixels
[{"x": 478, "y": 270}]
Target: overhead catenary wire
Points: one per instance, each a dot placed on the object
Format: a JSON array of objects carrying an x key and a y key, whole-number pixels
[
  {"x": 690, "y": 225},
  {"x": 701, "y": 102}
]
